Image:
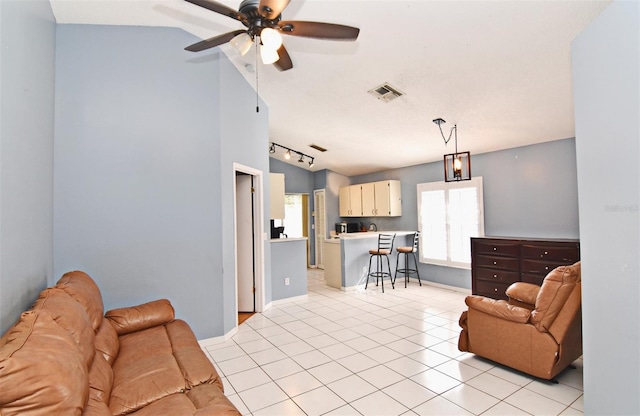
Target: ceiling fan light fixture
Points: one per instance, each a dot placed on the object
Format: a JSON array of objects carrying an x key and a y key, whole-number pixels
[
  {"x": 271, "y": 38},
  {"x": 268, "y": 55},
  {"x": 242, "y": 43}
]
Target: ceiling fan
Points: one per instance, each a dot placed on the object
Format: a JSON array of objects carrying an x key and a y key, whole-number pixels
[{"x": 263, "y": 19}]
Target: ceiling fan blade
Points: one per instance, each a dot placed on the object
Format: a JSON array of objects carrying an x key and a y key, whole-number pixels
[
  {"x": 221, "y": 9},
  {"x": 284, "y": 63},
  {"x": 270, "y": 9},
  {"x": 213, "y": 42},
  {"x": 318, "y": 30}
]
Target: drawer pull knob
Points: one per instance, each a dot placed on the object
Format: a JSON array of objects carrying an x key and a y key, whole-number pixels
[
  {"x": 495, "y": 262},
  {"x": 546, "y": 252},
  {"x": 546, "y": 268},
  {"x": 495, "y": 276},
  {"x": 495, "y": 290}
]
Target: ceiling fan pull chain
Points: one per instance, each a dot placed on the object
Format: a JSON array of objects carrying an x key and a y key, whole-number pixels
[{"x": 257, "y": 95}]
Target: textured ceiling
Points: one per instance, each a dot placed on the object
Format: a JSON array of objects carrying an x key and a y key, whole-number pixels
[{"x": 500, "y": 70}]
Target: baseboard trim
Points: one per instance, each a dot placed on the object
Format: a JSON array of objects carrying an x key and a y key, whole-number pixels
[
  {"x": 424, "y": 282},
  {"x": 211, "y": 342},
  {"x": 287, "y": 300}
]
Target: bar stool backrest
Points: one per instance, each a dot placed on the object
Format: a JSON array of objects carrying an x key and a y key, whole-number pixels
[
  {"x": 385, "y": 242},
  {"x": 416, "y": 237}
]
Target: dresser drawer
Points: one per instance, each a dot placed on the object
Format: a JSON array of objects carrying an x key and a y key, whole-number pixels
[
  {"x": 536, "y": 279},
  {"x": 497, "y": 248},
  {"x": 495, "y": 262},
  {"x": 497, "y": 276},
  {"x": 566, "y": 255},
  {"x": 541, "y": 267},
  {"x": 491, "y": 289}
]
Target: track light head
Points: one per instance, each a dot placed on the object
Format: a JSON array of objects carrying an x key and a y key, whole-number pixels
[
  {"x": 301, "y": 159},
  {"x": 272, "y": 148},
  {"x": 311, "y": 163},
  {"x": 287, "y": 155}
]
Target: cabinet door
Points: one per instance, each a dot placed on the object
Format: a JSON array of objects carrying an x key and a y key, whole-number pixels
[
  {"x": 276, "y": 182},
  {"x": 368, "y": 200},
  {"x": 395, "y": 199},
  {"x": 383, "y": 206},
  {"x": 344, "y": 199},
  {"x": 355, "y": 192}
]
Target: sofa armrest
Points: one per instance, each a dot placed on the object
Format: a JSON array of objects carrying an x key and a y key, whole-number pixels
[
  {"x": 136, "y": 318},
  {"x": 523, "y": 294},
  {"x": 498, "y": 308}
]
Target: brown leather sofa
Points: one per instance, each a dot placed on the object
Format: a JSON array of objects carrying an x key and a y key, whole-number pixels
[
  {"x": 63, "y": 357},
  {"x": 538, "y": 331}
]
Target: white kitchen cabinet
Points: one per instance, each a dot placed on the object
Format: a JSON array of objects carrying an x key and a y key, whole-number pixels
[
  {"x": 378, "y": 199},
  {"x": 276, "y": 188},
  {"x": 350, "y": 200}
]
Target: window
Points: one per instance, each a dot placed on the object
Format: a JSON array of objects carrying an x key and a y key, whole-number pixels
[{"x": 449, "y": 214}]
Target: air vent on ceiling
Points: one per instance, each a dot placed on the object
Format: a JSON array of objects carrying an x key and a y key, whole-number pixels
[
  {"x": 318, "y": 148},
  {"x": 386, "y": 92}
]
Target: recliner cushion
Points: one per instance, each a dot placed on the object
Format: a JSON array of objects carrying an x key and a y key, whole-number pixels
[
  {"x": 83, "y": 289},
  {"x": 41, "y": 369},
  {"x": 556, "y": 289}
]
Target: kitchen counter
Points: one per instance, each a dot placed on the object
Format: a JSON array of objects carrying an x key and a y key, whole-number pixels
[
  {"x": 284, "y": 240},
  {"x": 288, "y": 268},
  {"x": 347, "y": 257}
]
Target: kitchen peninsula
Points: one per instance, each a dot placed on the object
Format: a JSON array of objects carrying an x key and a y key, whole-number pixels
[{"x": 346, "y": 258}]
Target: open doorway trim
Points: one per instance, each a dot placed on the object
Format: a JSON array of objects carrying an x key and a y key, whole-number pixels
[{"x": 259, "y": 241}]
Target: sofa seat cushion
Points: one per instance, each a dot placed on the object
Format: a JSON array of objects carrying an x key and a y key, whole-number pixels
[
  {"x": 145, "y": 371},
  {"x": 41, "y": 369}
]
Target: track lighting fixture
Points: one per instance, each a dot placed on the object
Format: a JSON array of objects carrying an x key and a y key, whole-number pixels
[
  {"x": 287, "y": 154},
  {"x": 457, "y": 166}
]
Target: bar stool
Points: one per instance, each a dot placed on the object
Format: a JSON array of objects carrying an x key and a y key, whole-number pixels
[
  {"x": 406, "y": 250},
  {"x": 385, "y": 247}
]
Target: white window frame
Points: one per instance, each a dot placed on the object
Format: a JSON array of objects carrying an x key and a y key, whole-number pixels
[{"x": 475, "y": 182}]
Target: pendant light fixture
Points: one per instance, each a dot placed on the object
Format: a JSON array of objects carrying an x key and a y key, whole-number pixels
[{"x": 457, "y": 165}]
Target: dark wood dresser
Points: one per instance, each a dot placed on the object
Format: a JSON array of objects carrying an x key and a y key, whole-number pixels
[{"x": 497, "y": 262}]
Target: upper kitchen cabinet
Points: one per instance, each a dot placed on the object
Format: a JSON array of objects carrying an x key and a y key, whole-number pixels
[
  {"x": 276, "y": 187},
  {"x": 377, "y": 199},
  {"x": 350, "y": 200}
]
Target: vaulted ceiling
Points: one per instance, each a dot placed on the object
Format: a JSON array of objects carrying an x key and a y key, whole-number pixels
[{"x": 500, "y": 70}]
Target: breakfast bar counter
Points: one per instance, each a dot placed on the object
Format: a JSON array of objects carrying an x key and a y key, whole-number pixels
[{"x": 346, "y": 258}]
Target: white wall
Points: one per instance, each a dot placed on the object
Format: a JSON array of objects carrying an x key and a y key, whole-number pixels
[
  {"x": 26, "y": 154},
  {"x": 606, "y": 68}
]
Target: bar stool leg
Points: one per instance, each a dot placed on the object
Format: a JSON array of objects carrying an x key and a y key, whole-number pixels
[
  {"x": 368, "y": 272},
  {"x": 415, "y": 260}
]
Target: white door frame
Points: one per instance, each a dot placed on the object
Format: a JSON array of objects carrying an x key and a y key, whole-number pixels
[
  {"x": 319, "y": 242},
  {"x": 259, "y": 242}
]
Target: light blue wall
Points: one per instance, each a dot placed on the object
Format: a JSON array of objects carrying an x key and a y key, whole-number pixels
[
  {"x": 244, "y": 140},
  {"x": 143, "y": 179},
  {"x": 606, "y": 85},
  {"x": 27, "y": 58},
  {"x": 529, "y": 191}
]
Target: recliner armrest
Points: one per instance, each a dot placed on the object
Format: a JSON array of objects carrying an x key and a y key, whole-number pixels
[
  {"x": 523, "y": 294},
  {"x": 136, "y": 318},
  {"x": 498, "y": 308}
]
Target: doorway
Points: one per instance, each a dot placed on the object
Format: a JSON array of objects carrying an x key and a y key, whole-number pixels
[{"x": 249, "y": 250}]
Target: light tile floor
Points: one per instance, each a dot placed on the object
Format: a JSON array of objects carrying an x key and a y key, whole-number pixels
[{"x": 368, "y": 353}]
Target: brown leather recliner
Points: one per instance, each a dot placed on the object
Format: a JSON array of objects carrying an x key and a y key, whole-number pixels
[{"x": 538, "y": 331}]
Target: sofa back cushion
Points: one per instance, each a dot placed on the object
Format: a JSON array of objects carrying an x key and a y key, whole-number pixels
[
  {"x": 84, "y": 290},
  {"x": 42, "y": 371},
  {"x": 71, "y": 316},
  {"x": 556, "y": 289}
]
